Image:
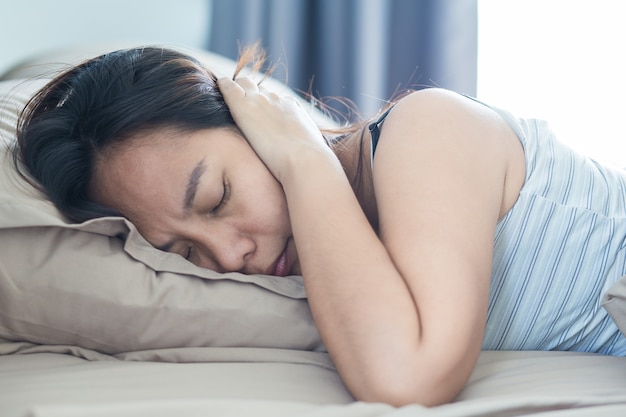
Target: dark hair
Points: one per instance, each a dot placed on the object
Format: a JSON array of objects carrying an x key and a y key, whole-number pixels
[{"x": 103, "y": 102}]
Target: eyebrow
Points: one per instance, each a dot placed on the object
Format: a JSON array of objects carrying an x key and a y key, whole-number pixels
[
  {"x": 192, "y": 184},
  {"x": 190, "y": 194}
]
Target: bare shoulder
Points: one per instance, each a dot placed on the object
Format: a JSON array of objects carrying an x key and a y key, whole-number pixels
[
  {"x": 441, "y": 110},
  {"x": 436, "y": 132},
  {"x": 444, "y": 156}
]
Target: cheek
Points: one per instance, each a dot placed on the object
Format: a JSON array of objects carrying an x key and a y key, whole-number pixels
[
  {"x": 279, "y": 203},
  {"x": 261, "y": 194},
  {"x": 268, "y": 205},
  {"x": 275, "y": 205},
  {"x": 283, "y": 212}
]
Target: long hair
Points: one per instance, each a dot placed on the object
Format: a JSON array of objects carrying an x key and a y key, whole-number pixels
[
  {"x": 103, "y": 102},
  {"x": 106, "y": 101}
]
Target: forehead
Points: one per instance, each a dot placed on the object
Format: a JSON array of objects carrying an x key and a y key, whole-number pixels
[
  {"x": 147, "y": 175},
  {"x": 153, "y": 170}
]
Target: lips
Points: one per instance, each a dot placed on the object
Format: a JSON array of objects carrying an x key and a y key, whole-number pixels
[{"x": 281, "y": 266}]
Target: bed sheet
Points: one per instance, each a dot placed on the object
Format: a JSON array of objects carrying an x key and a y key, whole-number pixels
[{"x": 44, "y": 381}]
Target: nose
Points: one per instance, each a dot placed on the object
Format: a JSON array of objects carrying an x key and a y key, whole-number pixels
[{"x": 225, "y": 248}]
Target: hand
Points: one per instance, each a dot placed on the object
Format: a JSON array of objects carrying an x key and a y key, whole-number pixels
[{"x": 277, "y": 128}]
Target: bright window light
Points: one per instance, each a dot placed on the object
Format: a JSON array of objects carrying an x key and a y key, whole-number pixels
[{"x": 559, "y": 60}]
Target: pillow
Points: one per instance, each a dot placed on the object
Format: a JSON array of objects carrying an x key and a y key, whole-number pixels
[
  {"x": 614, "y": 302},
  {"x": 101, "y": 286}
]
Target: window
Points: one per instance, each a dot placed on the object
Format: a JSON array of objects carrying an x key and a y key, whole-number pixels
[{"x": 559, "y": 60}]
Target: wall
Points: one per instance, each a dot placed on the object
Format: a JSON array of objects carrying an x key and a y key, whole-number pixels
[{"x": 35, "y": 26}]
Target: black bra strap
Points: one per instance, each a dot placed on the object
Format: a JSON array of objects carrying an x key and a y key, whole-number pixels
[{"x": 375, "y": 129}]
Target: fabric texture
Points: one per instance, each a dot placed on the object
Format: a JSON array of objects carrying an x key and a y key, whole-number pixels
[
  {"x": 277, "y": 382},
  {"x": 100, "y": 285},
  {"x": 557, "y": 251},
  {"x": 614, "y": 301}
]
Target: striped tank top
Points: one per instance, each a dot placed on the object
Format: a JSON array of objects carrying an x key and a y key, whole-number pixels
[{"x": 556, "y": 252}]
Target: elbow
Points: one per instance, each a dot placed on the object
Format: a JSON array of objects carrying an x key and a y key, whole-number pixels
[
  {"x": 404, "y": 388},
  {"x": 398, "y": 395}
]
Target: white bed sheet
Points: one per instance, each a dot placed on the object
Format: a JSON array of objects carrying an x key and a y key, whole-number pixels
[{"x": 273, "y": 382}]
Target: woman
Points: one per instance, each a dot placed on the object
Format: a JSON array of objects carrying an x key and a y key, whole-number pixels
[{"x": 441, "y": 228}]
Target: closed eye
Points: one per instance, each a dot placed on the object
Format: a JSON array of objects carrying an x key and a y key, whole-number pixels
[{"x": 223, "y": 200}]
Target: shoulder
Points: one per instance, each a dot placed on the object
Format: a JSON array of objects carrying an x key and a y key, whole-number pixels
[
  {"x": 446, "y": 137},
  {"x": 440, "y": 124},
  {"x": 446, "y": 168},
  {"x": 445, "y": 110}
]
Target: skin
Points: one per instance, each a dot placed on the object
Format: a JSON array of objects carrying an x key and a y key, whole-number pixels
[
  {"x": 402, "y": 308},
  {"x": 237, "y": 219}
]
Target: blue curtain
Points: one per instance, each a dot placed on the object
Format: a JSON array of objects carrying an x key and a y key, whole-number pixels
[{"x": 363, "y": 50}]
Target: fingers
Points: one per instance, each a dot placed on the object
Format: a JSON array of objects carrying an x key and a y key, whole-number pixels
[
  {"x": 244, "y": 97},
  {"x": 231, "y": 91},
  {"x": 243, "y": 84},
  {"x": 247, "y": 84}
]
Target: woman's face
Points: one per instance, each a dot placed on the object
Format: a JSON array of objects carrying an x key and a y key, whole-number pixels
[{"x": 204, "y": 195}]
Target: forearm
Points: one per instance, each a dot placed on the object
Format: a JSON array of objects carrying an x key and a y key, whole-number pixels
[{"x": 361, "y": 304}]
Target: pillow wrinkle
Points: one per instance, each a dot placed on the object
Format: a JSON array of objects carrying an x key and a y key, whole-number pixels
[{"x": 100, "y": 285}]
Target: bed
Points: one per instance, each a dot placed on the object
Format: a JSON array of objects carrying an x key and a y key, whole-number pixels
[{"x": 96, "y": 322}]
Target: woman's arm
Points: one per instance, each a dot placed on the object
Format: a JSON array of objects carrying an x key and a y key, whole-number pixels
[{"x": 403, "y": 314}]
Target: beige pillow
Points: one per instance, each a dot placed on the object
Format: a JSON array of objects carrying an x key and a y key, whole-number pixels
[{"x": 100, "y": 285}]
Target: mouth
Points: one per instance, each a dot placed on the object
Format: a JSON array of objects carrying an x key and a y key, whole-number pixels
[{"x": 281, "y": 265}]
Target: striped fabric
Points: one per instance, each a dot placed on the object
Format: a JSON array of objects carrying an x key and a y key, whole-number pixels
[{"x": 557, "y": 251}]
